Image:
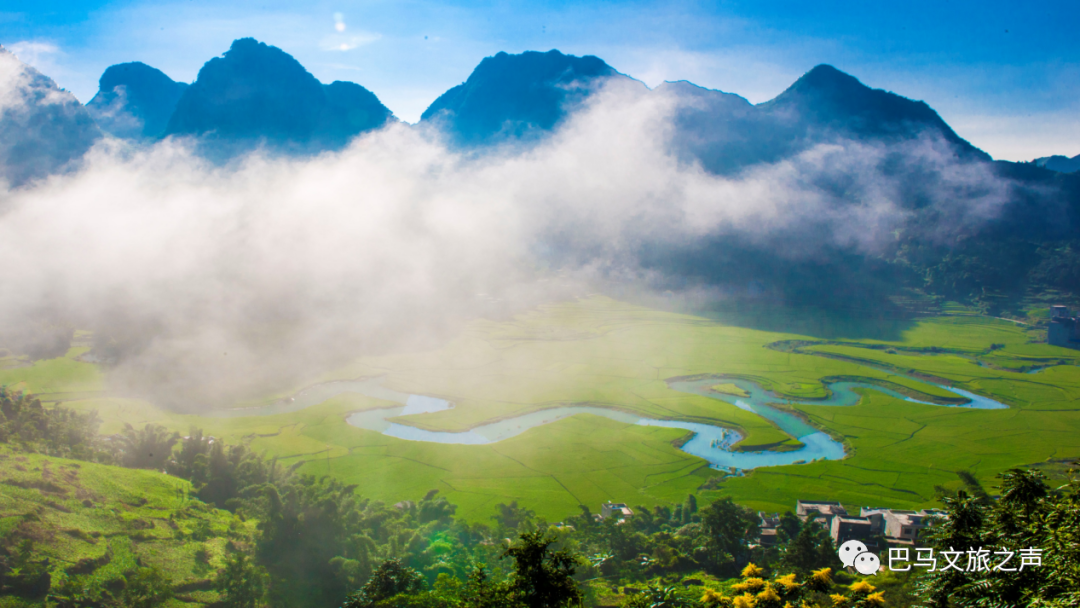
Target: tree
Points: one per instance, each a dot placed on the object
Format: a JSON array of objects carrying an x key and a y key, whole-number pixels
[
  {"x": 55, "y": 431},
  {"x": 149, "y": 448},
  {"x": 511, "y": 517},
  {"x": 1028, "y": 516},
  {"x": 689, "y": 508},
  {"x": 812, "y": 548},
  {"x": 146, "y": 588},
  {"x": 789, "y": 527},
  {"x": 242, "y": 584},
  {"x": 542, "y": 578},
  {"x": 729, "y": 529},
  {"x": 433, "y": 508},
  {"x": 190, "y": 462},
  {"x": 306, "y": 524},
  {"x": 390, "y": 579},
  {"x": 481, "y": 592}
]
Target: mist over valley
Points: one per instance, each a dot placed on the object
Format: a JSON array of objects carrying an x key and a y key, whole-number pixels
[
  {"x": 566, "y": 340},
  {"x": 258, "y": 226}
]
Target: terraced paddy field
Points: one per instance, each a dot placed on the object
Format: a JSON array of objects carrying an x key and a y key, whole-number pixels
[
  {"x": 98, "y": 524},
  {"x": 604, "y": 353}
]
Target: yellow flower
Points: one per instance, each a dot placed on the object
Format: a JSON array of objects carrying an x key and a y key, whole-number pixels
[
  {"x": 839, "y": 601},
  {"x": 787, "y": 582},
  {"x": 743, "y": 601},
  {"x": 751, "y": 571},
  {"x": 823, "y": 576},
  {"x": 862, "y": 587},
  {"x": 768, "y": 595},
  {"x": 713, "y": 598},
  {"x": 751, "y": 584},
  {"x": 877, "y": 599}
]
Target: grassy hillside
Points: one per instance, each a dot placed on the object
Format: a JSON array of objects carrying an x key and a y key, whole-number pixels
[
  {"x": 97, "y": 524},
  {"x": 606, "y": 353},
  {"x": 65, "y": 375}
]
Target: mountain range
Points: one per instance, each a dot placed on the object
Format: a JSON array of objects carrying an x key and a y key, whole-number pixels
[
  {"x": 257, "y": 92},
  {"x": 256, "y": 95}
]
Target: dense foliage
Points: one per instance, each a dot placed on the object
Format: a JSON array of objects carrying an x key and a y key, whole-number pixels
[
  {"x": 25, "y": 423},
  {"x": 1028, "y": 515},
  {"x": 320, "y": 543}
]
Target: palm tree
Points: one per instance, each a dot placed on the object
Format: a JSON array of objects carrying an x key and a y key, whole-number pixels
[{"x": 148, "y": 448}]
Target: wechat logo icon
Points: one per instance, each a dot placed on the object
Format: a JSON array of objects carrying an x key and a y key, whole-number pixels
[{"x": 855, "y": 553}]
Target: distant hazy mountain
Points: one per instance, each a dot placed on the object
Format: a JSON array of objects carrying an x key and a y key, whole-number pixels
[
  {"x": 726, "y": 133},
  {"x": 516, "y": 96},
  {"x": 43, "y": 128},
  {"x": 259, "y": 93},
  {"x": 1061, "y": 164},
  {"x": 527, "y": 95},
  {"x": 826, "y": 99},
  {"x": 134, "y": 100}
]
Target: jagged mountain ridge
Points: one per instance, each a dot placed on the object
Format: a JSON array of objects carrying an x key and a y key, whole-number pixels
[
  {"x": 826, "y": 98},
  {"x": 527, "y": 95},
  {"x": 825, "y": 105},
  {"x": 135, "y": 100},
  {"x": 257, "y": 92}
]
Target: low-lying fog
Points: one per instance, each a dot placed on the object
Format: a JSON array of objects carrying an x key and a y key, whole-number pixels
[{"x": 206, "y": 284}]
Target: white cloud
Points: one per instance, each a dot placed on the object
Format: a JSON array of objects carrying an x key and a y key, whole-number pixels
[
  {"x": 341, "y": 42},
  {"x": 1021, "y": 138},
  {"x": 222, "y": 282},
  {"x": 34, "y": 52}
]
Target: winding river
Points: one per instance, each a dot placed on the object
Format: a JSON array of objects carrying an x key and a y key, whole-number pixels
[{"x": 710, "y": 442}]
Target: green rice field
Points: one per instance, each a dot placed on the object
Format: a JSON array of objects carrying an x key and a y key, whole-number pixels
[{"x": 606, "y": 353}]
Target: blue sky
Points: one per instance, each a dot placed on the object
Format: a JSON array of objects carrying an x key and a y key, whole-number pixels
[{"x": 1005, "y": 75}]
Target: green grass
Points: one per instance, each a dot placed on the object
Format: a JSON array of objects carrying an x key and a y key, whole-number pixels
[
  {"x": 602, "y": 352},
  {"x": 78, "y": 511},
  {"x": 60, "y": 375},
  {"x": 961, "y": 333},
  {"x": 728, "y": 388}
]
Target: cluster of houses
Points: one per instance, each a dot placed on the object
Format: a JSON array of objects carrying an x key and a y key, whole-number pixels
[{"x": 898, "y": 527}]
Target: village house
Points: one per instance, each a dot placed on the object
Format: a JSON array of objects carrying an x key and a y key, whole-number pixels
[
  {"x": 617, "y": 510},
  {"x": 827, "y": 510},
  {"x": 767, "y": 527},
  {"x": 899, "y": 526},
  {"x": 844, "y": 528}
]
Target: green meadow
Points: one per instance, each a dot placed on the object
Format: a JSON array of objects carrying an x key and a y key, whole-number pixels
[{"x": 606, "y": 353}]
